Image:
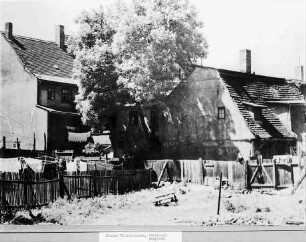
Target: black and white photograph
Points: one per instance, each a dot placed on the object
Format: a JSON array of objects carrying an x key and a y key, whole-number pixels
[{"x": 141, "y": 120}]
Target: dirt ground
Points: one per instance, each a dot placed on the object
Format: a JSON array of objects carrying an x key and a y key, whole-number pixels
[{"x": 196, "y": 206}]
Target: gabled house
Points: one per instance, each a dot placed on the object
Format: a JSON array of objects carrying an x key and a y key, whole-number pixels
[
  {"x": 37, "y": 93},
  {"x": 216, "y": 114}
]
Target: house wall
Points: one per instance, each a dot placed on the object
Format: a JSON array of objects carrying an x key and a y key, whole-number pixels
[
  {"x": 19, "y": 116},
  {"x": 189, "y": 125},
  {"x": 283, "y": 113},
  {"x": 57, "y": 103},
  {"x": 299, "y": 127},
  {"x": 293, "y": 116}
]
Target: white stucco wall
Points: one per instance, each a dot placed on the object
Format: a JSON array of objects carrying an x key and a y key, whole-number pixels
[{"x": 20, "y": 117}]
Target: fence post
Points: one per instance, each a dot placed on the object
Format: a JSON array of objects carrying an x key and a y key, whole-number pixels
[
  {"x": 62, "y": 191},
  {"x": 25, "y": 192},
  {"x": 94, "y": 180},
  {"x": 3, "y": 143},
  {"x": 246, "y": 177},
  {"x": 18, "y": 147},
  {"x": 219, "y": 198},
  {"x": 150, "y": 177},
  {"x": 3, "y": 196},
  {"x": 274, "y": 175},
  {"x": 117, "y": 185},
  {"x": 45, "y": 143},
  {"x": 34, "y": 143}
]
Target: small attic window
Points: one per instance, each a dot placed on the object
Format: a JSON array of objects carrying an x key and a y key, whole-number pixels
[
  {"x": 221, "y": 112},
  {"x": 56, "y": 67},
  {"x": 257, "y": 114}
]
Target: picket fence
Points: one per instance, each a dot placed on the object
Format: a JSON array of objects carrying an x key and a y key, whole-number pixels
[{"x": 18, "y": 193}]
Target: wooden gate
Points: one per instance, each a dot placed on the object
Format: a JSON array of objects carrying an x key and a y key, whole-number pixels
[{"x": 269, "y": 174}]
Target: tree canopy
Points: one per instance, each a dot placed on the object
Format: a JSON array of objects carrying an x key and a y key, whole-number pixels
[{"x": 134, "y": 52}]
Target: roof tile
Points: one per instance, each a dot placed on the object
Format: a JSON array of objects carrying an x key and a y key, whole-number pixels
[
  {"x": 258, "y": 90},
  {"x": 41, "y": 56}
]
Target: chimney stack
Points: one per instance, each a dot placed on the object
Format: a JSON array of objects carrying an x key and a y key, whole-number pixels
[
  {"x": 245, "y": 61},
  {"x": 60, "y": 36},
  {"x": 9, "y": 30},
  {"x": 299, "y": 73}
]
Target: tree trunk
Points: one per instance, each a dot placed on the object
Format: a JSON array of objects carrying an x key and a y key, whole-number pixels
[{"x": 143, "y": 122}]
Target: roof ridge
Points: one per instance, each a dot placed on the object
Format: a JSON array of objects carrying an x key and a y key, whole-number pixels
[{"x": 31, "y": 38}]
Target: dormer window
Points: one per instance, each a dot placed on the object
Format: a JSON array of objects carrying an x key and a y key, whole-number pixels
[
  {"x": 66, "y": 95},
  {"x": 257, "y": 114},
  {"x": 221, "y": 112}
]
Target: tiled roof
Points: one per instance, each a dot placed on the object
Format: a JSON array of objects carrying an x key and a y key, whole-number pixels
[
  {"x": 248, "y": 88},
  {"x": 42, "y": 57}
]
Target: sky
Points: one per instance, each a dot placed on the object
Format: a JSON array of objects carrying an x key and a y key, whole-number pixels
[{"x": 274, "y": 30}]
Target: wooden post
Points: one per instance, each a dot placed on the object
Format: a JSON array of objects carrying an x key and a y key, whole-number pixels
[
  {"x": 34, "y": 143},
  {"x": 274, "y": 175},
  {"x": 45, "y": 142},
  {"x": 150, "y": 177},
  {"x": 94, "y": 180},
  {"x": 162, "y": 173},
  {"x": 292, "y": 174},
  {"x": 25, "y": 191},
  {"x": 3, "y": 143},
  {"x": 62, "y": 191},
  {"x": 75, "y": 183},
  {"x": 259, "y": 159},
  {"x": 18, "y": 146},
  {"x": 219, "y": 198},
  {"x": 246, "y": 177},
  {"x": 3, "y": 196},
  {"x": 117, "y": 185},
  {"x": 298, "y": 183}
]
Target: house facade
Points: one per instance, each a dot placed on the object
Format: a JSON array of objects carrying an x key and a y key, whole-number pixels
[
  {"x": 217, "y": 114},
  {"x": 37, "y": 93}
]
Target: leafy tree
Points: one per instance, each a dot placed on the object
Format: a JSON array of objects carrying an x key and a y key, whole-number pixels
[
  {"x": 135, "y": 52},
  {"x": 156, "y": 42},
  {"x": 94, "y": 67}
]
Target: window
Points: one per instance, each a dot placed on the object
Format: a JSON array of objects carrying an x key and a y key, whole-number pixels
[
  {"x": 133, "y": 118},
  {"x": 66, "y": 96},
  {"x": 221, "y": 112},
  {"x": 257, "y": 114},
  {"x": 51, "y": 93}
]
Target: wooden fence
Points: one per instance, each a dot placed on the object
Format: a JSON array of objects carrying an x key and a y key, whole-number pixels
[
  {"x": 274, "y": 175},
  {"x": 271, "y": 175},
  {"x": 18, "y": 193}
]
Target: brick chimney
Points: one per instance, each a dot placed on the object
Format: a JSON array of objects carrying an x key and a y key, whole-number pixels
[
  {"x": 60, "y": 36},
  {"x": 299, "y": 73},
  {"x": 9, "y": 30},
  {"x": 245, "y": 61}
]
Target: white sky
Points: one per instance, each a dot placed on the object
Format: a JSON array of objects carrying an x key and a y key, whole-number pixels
[{"x": 274, "y": 30}]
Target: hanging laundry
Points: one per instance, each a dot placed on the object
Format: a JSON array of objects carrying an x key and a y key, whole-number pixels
[
  {"x": 35, "y": 164},
  {"x": 78, "y": 137},
  {"x": 83, "y": 165},
  {"x": 102, "y": 139},
  {"x": 71, "y": 166},
  {"x": 9, "y": 164}
]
